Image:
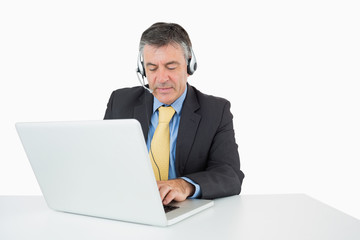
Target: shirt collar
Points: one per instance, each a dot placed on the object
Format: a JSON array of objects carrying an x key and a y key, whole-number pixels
[{"x": 177, "y": 105}]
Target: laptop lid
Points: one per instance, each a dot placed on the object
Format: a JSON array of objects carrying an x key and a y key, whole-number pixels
[{"x": 97, "y": 168}]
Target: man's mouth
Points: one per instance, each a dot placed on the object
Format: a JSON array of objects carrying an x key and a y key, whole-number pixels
[{"x": 164, "y": 89}]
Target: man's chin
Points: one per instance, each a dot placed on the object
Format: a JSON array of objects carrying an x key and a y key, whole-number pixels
[{"x": 165, "y": 98}]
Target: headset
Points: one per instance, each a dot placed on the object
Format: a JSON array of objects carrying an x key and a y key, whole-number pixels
[{"x": 191, "y": 68}]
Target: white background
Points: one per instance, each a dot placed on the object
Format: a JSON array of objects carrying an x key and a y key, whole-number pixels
[{"x": 289, "y": 68}]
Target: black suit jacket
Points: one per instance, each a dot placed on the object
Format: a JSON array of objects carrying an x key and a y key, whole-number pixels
[{"x": 206, "y": 151}]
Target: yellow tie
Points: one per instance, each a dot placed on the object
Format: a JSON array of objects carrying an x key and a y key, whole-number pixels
[{"x": 160, "y": 144}]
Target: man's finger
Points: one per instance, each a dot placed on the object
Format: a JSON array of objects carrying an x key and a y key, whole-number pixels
[
  {"x": 169, "y": 197},
  {"x": 164, "y": 189}
]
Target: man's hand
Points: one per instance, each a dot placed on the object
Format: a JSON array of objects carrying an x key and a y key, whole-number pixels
[{"x": 175, "y": 189}]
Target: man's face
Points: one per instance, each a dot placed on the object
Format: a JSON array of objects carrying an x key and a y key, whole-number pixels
[{"x": 166, "y": 71}]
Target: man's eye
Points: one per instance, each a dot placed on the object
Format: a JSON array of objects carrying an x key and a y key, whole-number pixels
[{"x": 152, "y": 69}]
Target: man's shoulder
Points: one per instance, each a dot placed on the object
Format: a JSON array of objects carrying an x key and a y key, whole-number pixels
[
  {"x": 129, "y": 96},
  {"x": 129, "y": 93},
  {"x": 208, "y": 99}
]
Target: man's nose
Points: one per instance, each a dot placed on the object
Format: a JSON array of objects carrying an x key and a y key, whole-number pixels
[{"x": 162, "y": 75}]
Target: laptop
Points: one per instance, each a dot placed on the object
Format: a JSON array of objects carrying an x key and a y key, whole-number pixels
[{"x": 101, "y": 169}]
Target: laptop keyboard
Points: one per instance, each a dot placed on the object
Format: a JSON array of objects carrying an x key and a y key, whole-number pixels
[{"x": 168, "y": 208}]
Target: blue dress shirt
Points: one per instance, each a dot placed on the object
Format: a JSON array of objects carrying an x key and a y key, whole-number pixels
[{"x": 174, "y": 127}]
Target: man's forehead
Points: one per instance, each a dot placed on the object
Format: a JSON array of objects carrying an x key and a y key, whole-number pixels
[{"x": 168, "y": 53}]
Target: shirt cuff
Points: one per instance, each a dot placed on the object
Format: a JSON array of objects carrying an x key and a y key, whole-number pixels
[{"x": 197, "y": 192}]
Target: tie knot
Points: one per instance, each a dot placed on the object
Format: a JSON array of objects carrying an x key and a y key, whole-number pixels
[{"x": 165, "y": 114}]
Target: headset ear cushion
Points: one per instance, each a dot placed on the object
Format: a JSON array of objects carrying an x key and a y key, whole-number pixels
[
  {"x": 188, "y": 68},
  {"x": 192, "y": 63},
  {"x": 141, "y": 68},
  {"x": 191, "y": 67}
]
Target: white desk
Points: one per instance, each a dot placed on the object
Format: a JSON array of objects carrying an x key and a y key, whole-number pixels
[{"x": 290, "y": 217}]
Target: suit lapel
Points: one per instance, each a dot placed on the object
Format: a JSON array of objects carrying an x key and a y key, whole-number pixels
[
  {"x": 189, "y": 123},
  {"x": 143, "y": 112}
]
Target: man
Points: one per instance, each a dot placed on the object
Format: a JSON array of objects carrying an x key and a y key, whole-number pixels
[{"x": 199, "y": 151}]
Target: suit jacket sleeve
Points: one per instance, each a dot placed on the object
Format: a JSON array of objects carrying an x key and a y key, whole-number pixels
[{"x": 214, "y": 161}]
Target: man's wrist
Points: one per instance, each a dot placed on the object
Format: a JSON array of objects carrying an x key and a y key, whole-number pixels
[
  {"x": 196, "y": 187},
  {"x": 189, "y": 188}
]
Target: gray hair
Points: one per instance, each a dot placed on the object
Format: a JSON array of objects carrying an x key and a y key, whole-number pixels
[{"x": 162, "y": 34}]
